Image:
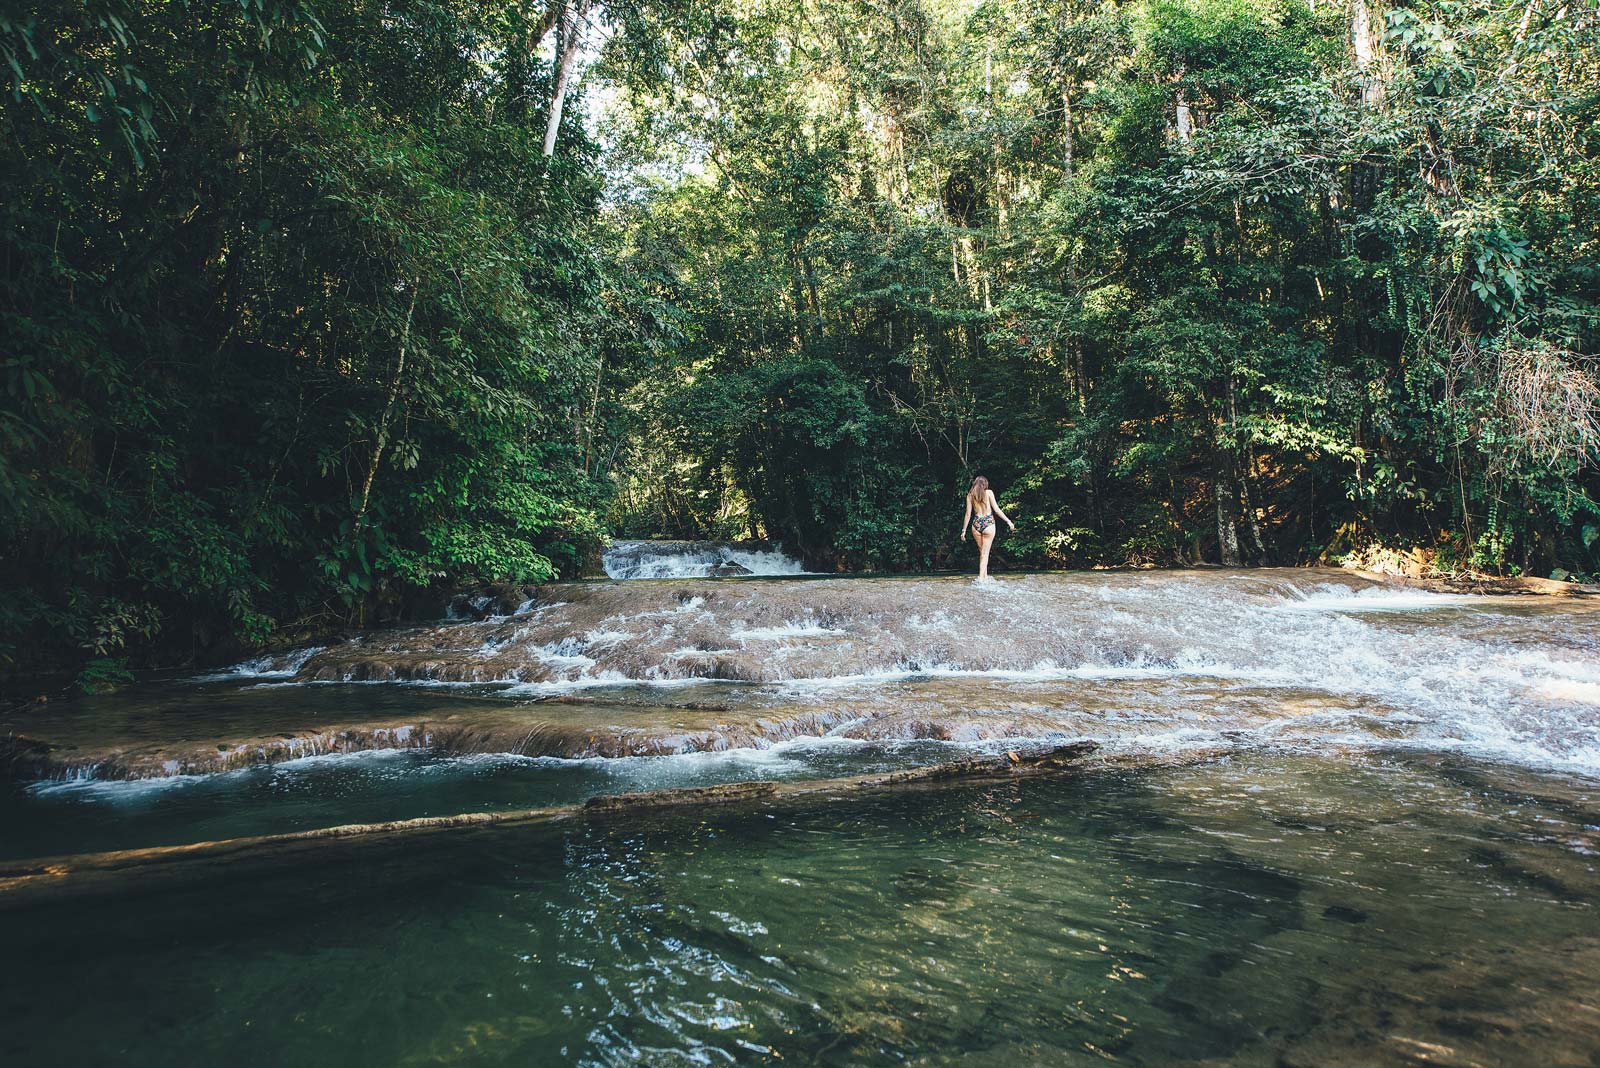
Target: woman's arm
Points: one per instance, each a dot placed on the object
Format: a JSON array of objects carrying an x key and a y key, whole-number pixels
[
  {"x": 996, "y": 506},
  {"x": 966, "y": 520}
]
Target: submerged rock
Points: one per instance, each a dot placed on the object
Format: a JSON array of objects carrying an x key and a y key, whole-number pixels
[
  {"x": 500, "y": 599},
  {"x": 686, "y": 797},
  {"x": 24, "y": 882}
]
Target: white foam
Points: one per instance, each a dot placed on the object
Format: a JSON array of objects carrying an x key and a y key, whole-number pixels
[
  {"x": 603, "y": 679},
  {"x": 83, "y": 785},
  {"x": 270, "y": 666},
  {"x": 1587, "y": 693},
  {"x": 774, "y": 562},
  {"x": 566, "y": 655},
  {"x": 348, "y": 680},
  {"x": 1516, "y": 680},
  {"x": 112, "y": 790},
  {"x": 1040, "y": 673},
  {"x": 672, "y": 560},
  {"x": 382, "y": 755},
  {"x": 1377, "y": 599},
  {"x": 806, "y": 629}
]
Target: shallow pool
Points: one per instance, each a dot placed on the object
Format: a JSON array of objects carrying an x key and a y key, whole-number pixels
[{"x": 1268, "y": 909}]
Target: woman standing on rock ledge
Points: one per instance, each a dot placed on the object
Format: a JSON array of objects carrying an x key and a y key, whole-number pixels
[{"x": 980, "y": 500}]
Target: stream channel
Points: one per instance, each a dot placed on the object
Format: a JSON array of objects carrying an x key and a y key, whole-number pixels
[{"x": 1330, "y": 821}]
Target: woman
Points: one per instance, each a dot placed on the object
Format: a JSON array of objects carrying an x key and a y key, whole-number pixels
[{"x": 980, "y": 500}]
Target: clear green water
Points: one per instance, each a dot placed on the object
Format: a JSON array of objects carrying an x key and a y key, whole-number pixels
[
  {"x": 44, "y": 819},
  {"x": 1258, "y": 910}
]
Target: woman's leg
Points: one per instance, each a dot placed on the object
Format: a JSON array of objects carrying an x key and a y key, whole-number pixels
[{"x": 984, "y": 541}]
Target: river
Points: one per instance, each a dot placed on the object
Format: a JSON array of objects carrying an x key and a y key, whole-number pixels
[{"x": 1332, "y": 821}]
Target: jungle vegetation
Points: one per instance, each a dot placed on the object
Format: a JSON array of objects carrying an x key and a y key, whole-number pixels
[{"x": 312, "y": 310}]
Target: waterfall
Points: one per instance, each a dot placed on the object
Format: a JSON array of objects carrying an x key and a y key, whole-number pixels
[{"x": 697, "y": 559}]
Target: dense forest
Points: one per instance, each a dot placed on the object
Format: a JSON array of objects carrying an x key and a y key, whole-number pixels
[{"x": 315, "y": 310}]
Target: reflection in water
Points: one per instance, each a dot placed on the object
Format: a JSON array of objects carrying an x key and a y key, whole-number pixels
[{"x": 1256, "y": 910}]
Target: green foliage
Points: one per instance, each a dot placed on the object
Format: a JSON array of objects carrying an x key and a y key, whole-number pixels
[
  {"x": 104, "y": 673},
  {"x": 301, "y": 327},
  {"x": 1176, "y": 274},
  {"x": 301, "y": 324}
]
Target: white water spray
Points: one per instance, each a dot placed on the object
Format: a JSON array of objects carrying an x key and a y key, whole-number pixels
[{"x": 696, "y": 559}]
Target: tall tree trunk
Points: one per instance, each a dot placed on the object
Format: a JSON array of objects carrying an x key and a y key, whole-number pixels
[
  {"x": 804, "y": 322},
  {"x": 1527, "y": 17},
  {"x": 1258, "y": 544},
  {"x": 1364, "y": 42},
  {"x": 808, "y": 265},
  {"x": 1185, "y": 118},
  {"x": 1238, "y": 490},
  {"x": 382, "y": 437},
  {"x": 1227, "y": 498},
  {"x": 571, "y": 30},
  {"x": 545, "y": 23},
  {"x": 1080, "y": 378},
  {"x": 1066, "y": 133},
  {"x": 1174, "y": 512}
]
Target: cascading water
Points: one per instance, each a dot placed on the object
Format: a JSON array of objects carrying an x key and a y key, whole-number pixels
[
  {"x": 1140, "y": 659},
  {"x": 1157, "y": 661},
  {"x": 696, "y": 559}
]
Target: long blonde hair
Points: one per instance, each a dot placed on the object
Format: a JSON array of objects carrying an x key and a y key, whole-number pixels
[{"x": 980, "y": 488}]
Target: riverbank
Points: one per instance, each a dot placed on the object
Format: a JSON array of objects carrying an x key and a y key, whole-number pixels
[{"x": 1486, "y": 585}]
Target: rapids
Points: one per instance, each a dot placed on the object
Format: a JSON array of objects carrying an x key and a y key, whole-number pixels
[
  {"x": 1154, "y": 659},
  {"x": 1144, "y": 662},
  {"x": 696, "y": 559}
]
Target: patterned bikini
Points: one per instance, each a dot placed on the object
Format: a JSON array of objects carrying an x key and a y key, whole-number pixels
[{"x": 982, "y": 524}]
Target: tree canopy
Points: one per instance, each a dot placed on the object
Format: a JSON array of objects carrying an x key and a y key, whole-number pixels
[{"x": 315, "y": 310}]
